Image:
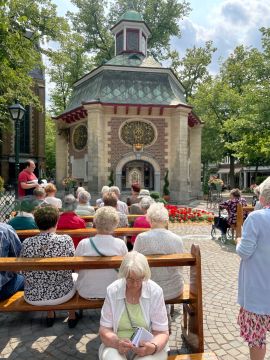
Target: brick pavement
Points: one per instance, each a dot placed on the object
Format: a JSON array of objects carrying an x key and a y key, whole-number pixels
[{"x": 24, "y": 336}]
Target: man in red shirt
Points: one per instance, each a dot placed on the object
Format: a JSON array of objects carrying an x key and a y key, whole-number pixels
[{"x": 27, "y": 180}]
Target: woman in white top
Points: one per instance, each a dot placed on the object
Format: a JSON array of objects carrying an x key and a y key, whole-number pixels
[
  {"x": 50, "y": 198},
  {"x": 159, "y": 240},
  {"x": 133, "y": 301},
  {"x": 83, "y": 208},
  {"x": 93, "y": 283}
]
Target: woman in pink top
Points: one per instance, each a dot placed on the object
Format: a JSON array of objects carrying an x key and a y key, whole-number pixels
[{"x": 142, "y": 221}]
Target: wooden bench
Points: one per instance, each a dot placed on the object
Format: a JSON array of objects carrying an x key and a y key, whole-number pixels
[
  {"x": 198, "y": 356},
  {"x": 126, "y": 231},
  {"x": 90, "y": 218},
  {"x": 240, "y": 217},
  {"x": 191, "y": 298}
]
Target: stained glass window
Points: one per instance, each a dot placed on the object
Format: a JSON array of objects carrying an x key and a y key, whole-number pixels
[{"x": 137, "y": 132}]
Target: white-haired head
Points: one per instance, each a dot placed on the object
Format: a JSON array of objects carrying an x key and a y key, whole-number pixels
[
  {"x": 265, "y": 192},
  {"x": 158, "y": 214},
  {"x": 135, "y": 263},
  {"x": 84, "y": 197},
  {"x": 146, "y": 202},
  {"x": 115, "y": 190},
  {"x": 105, "y": 189},
  {"x": 79, "y": 189},
  {"x": 106, "y": 219}
]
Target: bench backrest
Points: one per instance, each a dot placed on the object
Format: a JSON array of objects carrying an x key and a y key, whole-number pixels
[
  {"x": 240, "y": 217},
  {"x": 126, "y": 231},
  {"x": 90, "y": 218}
]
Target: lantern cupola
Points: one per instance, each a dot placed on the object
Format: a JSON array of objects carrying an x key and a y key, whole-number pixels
[{"x": 131, "y": 34}]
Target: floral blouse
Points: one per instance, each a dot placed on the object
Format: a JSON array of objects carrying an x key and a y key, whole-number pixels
[
  {"x": 231, "y": 207},
  {"x": 47, "y": 285}
]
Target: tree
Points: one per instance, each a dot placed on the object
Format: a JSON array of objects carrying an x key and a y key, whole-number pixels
[
  {"x": 67, "y": 64},
  {"x": 94, "y": 23},
  {"x": 50, "y": 144},
  {"x": 192, "y": 68},
  {"x": 24, "y": 27}
]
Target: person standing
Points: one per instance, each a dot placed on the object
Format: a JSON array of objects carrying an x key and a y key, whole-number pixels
[
  {"x": 253, "y": 279},
  {"x": 27, "y": 180},
  {"x": 10, "y": 246}
]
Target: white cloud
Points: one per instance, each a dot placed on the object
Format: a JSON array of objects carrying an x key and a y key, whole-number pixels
[{"x": 230, "y": 23}]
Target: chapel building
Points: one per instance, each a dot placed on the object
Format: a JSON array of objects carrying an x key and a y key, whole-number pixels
[{"x": 128, "y": 118}]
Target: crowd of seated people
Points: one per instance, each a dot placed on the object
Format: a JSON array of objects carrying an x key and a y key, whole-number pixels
[{"x": 59, "y": 286}]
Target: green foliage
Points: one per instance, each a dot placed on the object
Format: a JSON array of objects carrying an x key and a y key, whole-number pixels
[
  {"x": 24, "y": 26},
  {"x": 69, "y": 63},
  {"x": 50, "y": 131},
  {"x": 162, "y": 17},
  {"x": 166, "y": 190},
  {"x": 111, "y": 178},
  {"x": 192, "y": 68},
  {"x": 155, "y": 195}
]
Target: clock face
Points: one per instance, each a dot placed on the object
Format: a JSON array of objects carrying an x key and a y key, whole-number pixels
[{"x": 80, "y": 137}]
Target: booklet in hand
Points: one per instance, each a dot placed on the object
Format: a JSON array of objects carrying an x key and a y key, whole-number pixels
[{"x": 141, "y": 334}]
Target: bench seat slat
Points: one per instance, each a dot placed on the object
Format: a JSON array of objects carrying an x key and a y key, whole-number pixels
[
  {"x": 16, "y": 303},
  {"x": 198, "y": 356}
]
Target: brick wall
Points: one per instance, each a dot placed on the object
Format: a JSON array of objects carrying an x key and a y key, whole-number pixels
[{"x": 117, "y": 149}]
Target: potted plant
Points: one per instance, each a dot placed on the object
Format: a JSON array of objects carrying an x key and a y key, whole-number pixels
[
  {"x": 69, "y": 183},
  {"x": 166, "y": 191},
  {"x": 215, "y": 183}
]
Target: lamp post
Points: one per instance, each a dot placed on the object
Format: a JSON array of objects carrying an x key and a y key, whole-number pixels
[{"x": 17, "y": 112}]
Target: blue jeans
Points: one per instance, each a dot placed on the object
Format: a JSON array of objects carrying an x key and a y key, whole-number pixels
[{"x": 11, "y": 287}]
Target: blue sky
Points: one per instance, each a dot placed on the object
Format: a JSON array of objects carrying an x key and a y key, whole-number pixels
[{"x": 227, "y": 23}]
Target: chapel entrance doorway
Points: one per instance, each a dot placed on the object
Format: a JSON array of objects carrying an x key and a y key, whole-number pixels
[{"x": 138, "y": 171}]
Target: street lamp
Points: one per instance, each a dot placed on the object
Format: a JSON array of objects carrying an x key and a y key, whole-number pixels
[{"x": 17, "y": 112}]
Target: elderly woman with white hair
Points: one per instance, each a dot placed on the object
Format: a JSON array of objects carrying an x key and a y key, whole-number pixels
[
  {"x": 83, "y": 208},
  {"x": 159, "y": 240},
  {"x": 133, "y": 301},
  {"x": 93, "y": 283},
  {"x": 254, "y": 281},
  {"x": 104, "y": 190}
]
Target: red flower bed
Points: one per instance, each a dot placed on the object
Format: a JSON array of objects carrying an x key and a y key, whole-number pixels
[{"x": 181, "y": 214}]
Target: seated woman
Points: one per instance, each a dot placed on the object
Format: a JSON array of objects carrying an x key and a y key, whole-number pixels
[
  {"x": 110, "y": 199},
  {"x": 49, "y": 287},
  {"x": 231, "y": 205},
  {"x": 69, "y": 220},
  {"x": 83, "y": 208},
  {"x": 50, "y": 198},
  {"x": 24, "y": 220},
  {"x": 142, "y": 221},
  {"x": 133, "y": 301},
  {"x": 159, "y": 240},
  {"x": 93, "y": 283}
]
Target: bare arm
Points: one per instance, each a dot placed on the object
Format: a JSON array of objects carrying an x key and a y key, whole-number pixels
[
  {"x": 110, "y": 339},
  {"x": 25, "y": 186}
]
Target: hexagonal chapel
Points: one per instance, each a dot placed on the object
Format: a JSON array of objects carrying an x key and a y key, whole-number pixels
[{"x": 129, "y": 118}]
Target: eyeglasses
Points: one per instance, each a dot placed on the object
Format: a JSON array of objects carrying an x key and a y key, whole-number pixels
[{"x": 129, "y": 279}]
